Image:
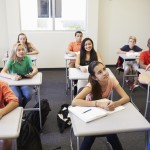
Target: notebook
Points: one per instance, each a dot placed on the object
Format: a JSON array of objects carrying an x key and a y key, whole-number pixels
[{"x": 88, "y": 114}]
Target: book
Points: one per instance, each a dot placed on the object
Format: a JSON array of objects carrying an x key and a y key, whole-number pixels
[{"x": 88, "y": 114}]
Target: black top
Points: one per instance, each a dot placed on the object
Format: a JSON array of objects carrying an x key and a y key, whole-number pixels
[{"x": 126, "y": 48}]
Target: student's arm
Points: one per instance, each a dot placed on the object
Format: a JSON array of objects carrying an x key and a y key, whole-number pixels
[
  {"x": 148, "y": 67},
  {"x": 121, "y": 52},
  {"x": 124, "y": 98},
  {"x": 99, "y": 58},
  {"x": 70, "y": 49},
  {"x": 142, "y": 65},
  {"x": 77, "y": 64},
  {"x": 33, "y": 50},
  {"x": 34, "y": 72},
  {"x": 5, "y": 74},
  {"x": 11, "y": 99},
  {"x": 79, "y": 100}
]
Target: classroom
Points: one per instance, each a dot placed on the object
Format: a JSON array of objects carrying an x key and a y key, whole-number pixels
[{"x": 109, "y": 23}]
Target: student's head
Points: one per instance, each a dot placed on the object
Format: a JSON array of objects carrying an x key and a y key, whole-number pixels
[
  {"x": 148, "y": 43},
  {"x": 78, "y": 36},
  {"x": 132, "y": 41},
  {"x": 22, "y": 38},
  {"x": 18, "y": 51},
  {"x": 98, "y": 75},
  {"x": 97, "y": 71},
  {"x": 87, "y": 46}
]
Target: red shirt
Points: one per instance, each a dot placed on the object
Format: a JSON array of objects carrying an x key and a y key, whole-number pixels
[
  {"x": 6, "y": 94},
  {"x": 145, "y": 57}
]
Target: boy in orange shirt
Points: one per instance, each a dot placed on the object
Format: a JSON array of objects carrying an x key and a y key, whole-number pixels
[{"x": 74, "y": 47}]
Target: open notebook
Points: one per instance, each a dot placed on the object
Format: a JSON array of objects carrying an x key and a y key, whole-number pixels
[{"x": 88, "y": 114}]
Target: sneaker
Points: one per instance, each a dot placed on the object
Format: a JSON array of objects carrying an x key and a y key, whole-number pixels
[
  {"x": 129, "y": 83},
  {"x": 133, "y": 87}
]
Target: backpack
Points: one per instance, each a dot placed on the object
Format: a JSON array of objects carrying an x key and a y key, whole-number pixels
[
  {"x": 29, "y": 138},
  {"x": 63, "y": 118},
  {"x": 33, "y": 116}
]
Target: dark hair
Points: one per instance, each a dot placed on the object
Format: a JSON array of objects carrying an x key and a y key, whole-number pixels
[
  {"x": 93, "y": 54},
  {"x": 78, "y": 32},
  {"x": 28, "y": 45},
  {"x": 96, "y": 87}
]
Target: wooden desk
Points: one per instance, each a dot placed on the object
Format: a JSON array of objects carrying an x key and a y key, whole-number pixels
[
  {"x": 10, "y": 124},
  {"x": 33, "y": 58},
  {"x": 35, "y": 81},
  {"x": 127, "y": 123},
  {"x": 126, "y": 59},
  {"x": 77, "y": 74},
  {"x": 67, "y": 58}
]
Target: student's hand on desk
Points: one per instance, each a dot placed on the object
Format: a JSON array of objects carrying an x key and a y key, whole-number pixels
[
  {"x": 83, "y": 69},
  {"x": 30, "y": 75},
  {"x": 111, "y": 106},
  {"x": 16, "y": 77},
  {"x": 103, "y": 105},
  {"x": 147, "y": 67}
]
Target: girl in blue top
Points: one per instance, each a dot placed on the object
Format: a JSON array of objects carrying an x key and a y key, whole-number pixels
[{"x": 17, "y": 67}]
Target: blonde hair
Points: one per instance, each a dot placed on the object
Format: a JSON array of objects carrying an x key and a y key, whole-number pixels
[
  {"x": 133, "y": 38},
  {"x": 13, "y": 53}
]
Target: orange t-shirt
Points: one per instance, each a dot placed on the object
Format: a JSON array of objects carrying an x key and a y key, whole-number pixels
[
  {"x": 6, "y": 94},
  {"x": 74, "y": 46},
  {"x": 112, "y": 83}
]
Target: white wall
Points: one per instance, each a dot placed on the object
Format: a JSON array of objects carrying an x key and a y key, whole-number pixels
[
  {"x": 52, "y": 45},
  {"x": 118, "y": 19},
  {"x": 3, "y": 30},
  {"x": 110, "y": 22}
]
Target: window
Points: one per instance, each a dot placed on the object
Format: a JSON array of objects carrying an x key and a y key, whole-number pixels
[{"x": 53, "y": 14}]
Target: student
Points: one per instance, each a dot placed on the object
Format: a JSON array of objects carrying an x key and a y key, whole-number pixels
[
  {"x": 20, "y": 66},
  {"x": 145, "y": 58},
  {"x": 8, "y": 102},
  {"x": 87, "y": 55},
  {"x": 100, "y": 86},
  {"x": 30, "y": 49},
  {"x": 130, "y": 65},
  {"x": 74, "y": 47}
]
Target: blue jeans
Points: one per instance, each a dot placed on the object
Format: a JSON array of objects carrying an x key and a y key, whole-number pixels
[
  {"x": 111, "y": 138},
  {"x": 24, "y": 94}
]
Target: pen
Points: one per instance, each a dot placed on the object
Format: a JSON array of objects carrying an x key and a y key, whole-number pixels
[{"x": 86, "y": 111}]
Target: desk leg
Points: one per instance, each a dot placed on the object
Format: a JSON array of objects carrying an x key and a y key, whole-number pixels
[
  {"x": 67, "y": 82},
  {"x": 78, "y": 143},
  {"x": 147, "y": 99},
  {"x": 124, "y": 73},
  {"x": 39, "y": 100},
  {"x": 72, "y": 90}
]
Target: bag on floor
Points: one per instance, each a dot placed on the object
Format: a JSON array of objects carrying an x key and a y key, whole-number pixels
[
  {"x": 29, "y": 138},
  {"x": 63, "y": 118},
  {"x": 33, "y": 116}
]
